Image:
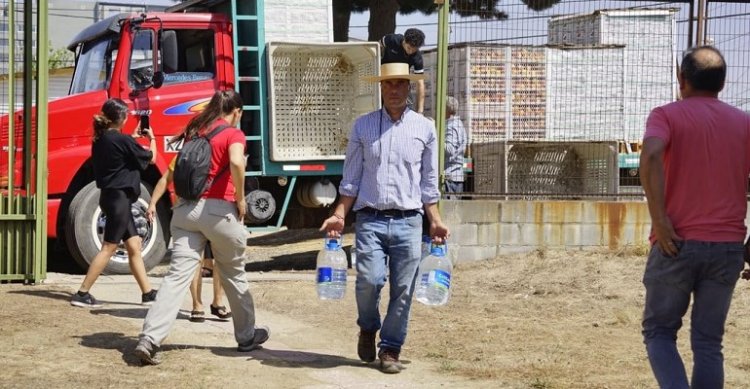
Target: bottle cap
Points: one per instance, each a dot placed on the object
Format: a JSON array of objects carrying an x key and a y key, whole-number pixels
[
  {"x": 332, "y": 244},
  {"x": 438, "y": 250}
]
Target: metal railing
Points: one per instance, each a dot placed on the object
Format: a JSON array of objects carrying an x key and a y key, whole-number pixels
[{"x": 23, "y": 146}]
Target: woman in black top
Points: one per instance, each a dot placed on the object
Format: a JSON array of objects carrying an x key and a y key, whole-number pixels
[{"x": 118, "y": 161}]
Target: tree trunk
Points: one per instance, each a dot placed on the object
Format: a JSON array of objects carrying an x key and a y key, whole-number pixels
[
  {"x": 382, "y": 18},
  {"x": 342, "y": 12}
]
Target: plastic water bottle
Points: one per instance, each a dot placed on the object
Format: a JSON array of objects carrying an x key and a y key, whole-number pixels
[
  {"x": 331, "y": 271},
  {"x": 426, "y": 246},
  {"x": 434, "y": 280}
]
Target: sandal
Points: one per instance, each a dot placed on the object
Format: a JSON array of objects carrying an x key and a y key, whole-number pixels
[
  {"x": 197, "y": 316},
  {"x": 220, "y": 312}
]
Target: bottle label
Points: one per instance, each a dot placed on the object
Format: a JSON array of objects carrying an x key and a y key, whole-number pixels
[
  {"x": 440, "y": 279},
  {"x": 325, "y": 274},
  {"x": 339, "y": 275}
]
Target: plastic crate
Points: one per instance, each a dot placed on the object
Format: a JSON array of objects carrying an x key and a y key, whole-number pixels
[
  {"x": 585, "y": 93},
  {"x": 489, "y": 167},
  {"x": 562, "y": 168},
  {"x": 500, "y": 89},
  {"x": 316, "y": 92},
  {"x": 648, "y": 37}
]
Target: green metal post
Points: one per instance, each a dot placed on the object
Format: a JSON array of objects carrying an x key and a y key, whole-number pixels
[
  {"x": 11, "y": 99},
  {"x": 40, "y": 198},
  {"x": 442, "y": 81},
  {"x": 28, "y": 95}
]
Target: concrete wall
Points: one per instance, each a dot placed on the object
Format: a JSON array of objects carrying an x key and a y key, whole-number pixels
[{"x": 483, "y": 229}]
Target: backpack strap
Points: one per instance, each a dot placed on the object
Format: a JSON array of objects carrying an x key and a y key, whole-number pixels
[
  {"x": 208, "y": 137},
  {"x": 216, "y": 131}
]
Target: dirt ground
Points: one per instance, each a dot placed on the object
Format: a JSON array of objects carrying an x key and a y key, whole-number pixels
[{"x": 539, "y": 320}]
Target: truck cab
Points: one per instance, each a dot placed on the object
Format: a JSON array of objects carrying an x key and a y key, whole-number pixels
[{"x": 167, "y": 66}]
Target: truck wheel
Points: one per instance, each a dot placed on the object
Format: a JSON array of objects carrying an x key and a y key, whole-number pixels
[
  {"x": 260, "y": 206},
  {"x": 85, "y": 231}
]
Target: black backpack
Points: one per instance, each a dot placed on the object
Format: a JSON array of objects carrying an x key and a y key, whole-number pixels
[{"x": 191, "y": 168}]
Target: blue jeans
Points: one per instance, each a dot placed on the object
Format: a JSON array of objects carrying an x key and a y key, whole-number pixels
[
  {"x": 708, "y": 271},
  {"x": 393, "y": 242}
]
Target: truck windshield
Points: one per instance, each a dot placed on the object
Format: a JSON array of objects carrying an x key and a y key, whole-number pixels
[{"x": 94, "y": 65}]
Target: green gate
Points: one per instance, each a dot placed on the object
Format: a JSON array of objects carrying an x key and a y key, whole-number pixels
[{"x": 23, "y": 142}]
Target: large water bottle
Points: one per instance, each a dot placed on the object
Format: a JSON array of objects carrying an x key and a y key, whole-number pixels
[
  {"x": 434, "y": 279},
  {"x": 331, "y": 271},
  {"x": 426, "y": 246}
]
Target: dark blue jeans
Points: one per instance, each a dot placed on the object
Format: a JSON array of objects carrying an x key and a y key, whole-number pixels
[
  {"x": 708, "y": 271},
  {"x": 393, "y": 242}
]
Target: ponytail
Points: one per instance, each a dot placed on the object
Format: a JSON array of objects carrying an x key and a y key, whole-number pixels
[
  {"x": 222, "y": 103},
  {"x": 113, "y": 115}
]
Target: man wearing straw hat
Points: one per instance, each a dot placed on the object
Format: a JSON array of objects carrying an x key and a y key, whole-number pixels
[{"x": 390, "y": 179}]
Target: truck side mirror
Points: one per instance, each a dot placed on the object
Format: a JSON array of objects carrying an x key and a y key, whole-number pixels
[
  {"x": 168, "y": 49},
  {"x": 158, "y": 79}
]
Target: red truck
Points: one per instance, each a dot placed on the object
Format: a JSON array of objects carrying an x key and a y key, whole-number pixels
[{"x": 300, "y": 101}]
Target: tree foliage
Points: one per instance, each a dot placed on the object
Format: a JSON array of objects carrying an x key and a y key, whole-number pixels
[{"x": 383, "y": 13}]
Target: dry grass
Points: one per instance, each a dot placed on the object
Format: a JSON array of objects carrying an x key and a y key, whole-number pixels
[{"x": 541, "y": 320}]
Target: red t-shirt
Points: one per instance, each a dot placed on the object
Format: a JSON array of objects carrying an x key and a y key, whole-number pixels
[
  {"x": 706, "y": 167},
  {"x": 222, "y": 187}
]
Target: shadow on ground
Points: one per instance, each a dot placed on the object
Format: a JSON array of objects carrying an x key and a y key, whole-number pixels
[
  {"x": 294, "y": 358},
  {"x": 278, "y": 358},
  {"x": 50, "y": 294},
  {"x": 126, "y": 344},
  {"x": 297, "y": 261},
  {"x": 290, "y": 236}
]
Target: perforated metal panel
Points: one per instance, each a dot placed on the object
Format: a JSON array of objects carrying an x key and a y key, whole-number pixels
[{"x": 316, "y": 93}]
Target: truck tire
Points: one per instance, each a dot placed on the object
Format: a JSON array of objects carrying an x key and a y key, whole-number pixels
[
  {"x": 85, "y": 231},
  {"x": 260, "y": 206}
]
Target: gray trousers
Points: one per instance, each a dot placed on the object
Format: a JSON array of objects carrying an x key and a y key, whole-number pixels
[{"x": 193, "y": 224}]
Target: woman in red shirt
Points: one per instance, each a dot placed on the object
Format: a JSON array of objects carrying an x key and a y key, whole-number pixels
[{"x": 216, "y": 217}]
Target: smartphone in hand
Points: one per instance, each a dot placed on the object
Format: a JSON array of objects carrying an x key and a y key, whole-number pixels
[{"x": 144, "y": 124}]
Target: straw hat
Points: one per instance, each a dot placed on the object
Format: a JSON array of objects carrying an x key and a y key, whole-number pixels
[{"x": 394, "y": 71}]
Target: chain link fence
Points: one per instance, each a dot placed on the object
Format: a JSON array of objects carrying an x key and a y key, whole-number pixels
[{"x": 555, "y": 100}]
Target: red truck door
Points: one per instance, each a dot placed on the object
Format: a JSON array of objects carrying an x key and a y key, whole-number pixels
[{"x": 193, "y": 70}]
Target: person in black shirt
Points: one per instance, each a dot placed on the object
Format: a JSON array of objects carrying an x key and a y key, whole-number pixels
[
  {"x": 118, "y": 161},
  {"x": 405, "y": 48}
]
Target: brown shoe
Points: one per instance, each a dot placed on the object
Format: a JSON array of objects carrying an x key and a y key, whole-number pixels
[
  {"x": 366, "y": 345},
  {"x": 389, "y": 362}
]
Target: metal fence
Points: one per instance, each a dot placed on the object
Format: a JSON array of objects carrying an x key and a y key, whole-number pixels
[
  {"x": 23, "y": 178},
  {"x": 555, "y": 101}
]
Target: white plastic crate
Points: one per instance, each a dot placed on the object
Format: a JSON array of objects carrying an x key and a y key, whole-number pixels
[
  {"x": 315, "y": 95},
  {"x": 585, "y": 93},
  {"x": 298, "y": 21},
  {"x": 648, "y": 64}
]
